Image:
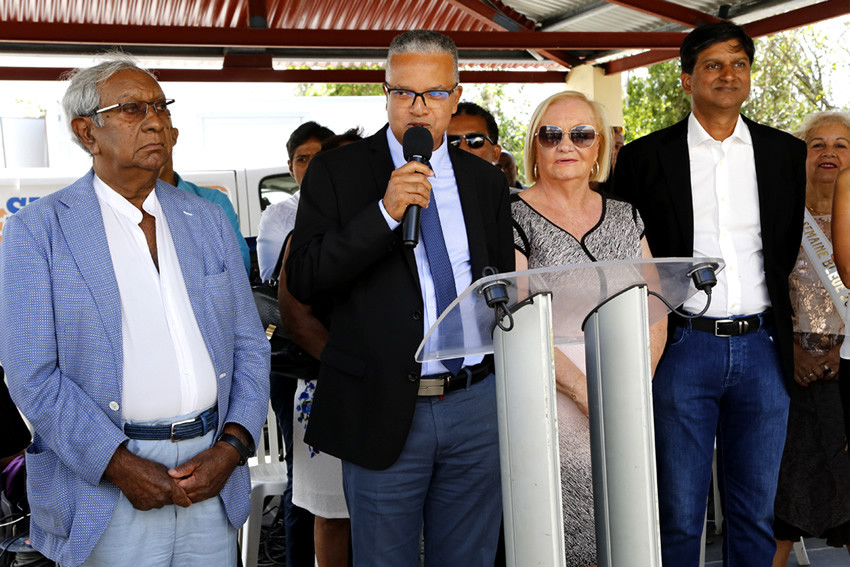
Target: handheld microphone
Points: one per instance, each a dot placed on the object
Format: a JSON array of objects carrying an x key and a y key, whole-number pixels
[{"x": 417, "y": 145}]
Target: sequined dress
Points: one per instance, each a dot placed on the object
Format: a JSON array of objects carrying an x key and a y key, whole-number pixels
[{"x": 813, "y": 495}]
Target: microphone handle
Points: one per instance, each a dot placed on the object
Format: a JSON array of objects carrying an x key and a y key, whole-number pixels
[
  {"x": 410, "y": 222},
  {"x": 410, "y": 226}
]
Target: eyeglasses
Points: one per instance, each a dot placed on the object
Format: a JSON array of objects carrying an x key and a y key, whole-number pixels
[
  {"x": 581, "y": 136},
  {"x": 402, "y": 96},
  {"x": 474, "y": 140},
  {"x": 138, "y": 109}
]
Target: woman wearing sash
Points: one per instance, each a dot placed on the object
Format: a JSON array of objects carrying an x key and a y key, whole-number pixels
[{"x": 813, "y": 496}]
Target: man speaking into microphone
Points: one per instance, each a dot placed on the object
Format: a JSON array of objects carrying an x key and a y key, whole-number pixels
[{"x": 419, "y": 442}]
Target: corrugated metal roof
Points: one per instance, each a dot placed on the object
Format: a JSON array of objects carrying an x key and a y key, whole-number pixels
[{"x": 252, "y": 33}]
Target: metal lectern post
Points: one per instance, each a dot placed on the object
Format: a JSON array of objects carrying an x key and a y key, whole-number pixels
[
  {"x": 621, "y": 431},
  {"x": 531, "y": 479}
]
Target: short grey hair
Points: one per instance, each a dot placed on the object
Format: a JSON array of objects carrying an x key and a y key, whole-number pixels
[
  {"x": 423, "y": 41},
  {"x": 83, "y": 95},
  {"x": 817, "y": 119}
]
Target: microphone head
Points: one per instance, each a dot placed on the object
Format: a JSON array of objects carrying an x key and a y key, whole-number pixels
[{"x": 417, "y": 142}]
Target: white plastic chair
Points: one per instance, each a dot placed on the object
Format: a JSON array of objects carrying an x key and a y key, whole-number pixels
[{"x": 268, "y": 478}]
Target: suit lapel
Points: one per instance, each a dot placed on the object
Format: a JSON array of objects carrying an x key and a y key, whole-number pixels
[
  {"x": 675, "y": 161},
  {"x": 185, "y": 226},
  {"x": 765, "y": 181},
  {"x": 382, "y": 169},
  {"x": 82, "y": 226}
]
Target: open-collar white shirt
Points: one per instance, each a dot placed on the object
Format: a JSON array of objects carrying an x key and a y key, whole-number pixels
[
  {"x": 167, "y": 369},
  {"x": 727, "y": 219}
]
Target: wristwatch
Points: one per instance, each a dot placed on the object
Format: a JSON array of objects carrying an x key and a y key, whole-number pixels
[{"x": 244, "y": 452}]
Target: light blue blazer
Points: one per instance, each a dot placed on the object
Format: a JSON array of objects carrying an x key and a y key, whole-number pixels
[{"x": 61, "y": 346}]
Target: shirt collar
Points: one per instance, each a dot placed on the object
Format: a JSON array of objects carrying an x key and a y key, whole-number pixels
[
  {"x": 121, "y": 205},
  {"x": 697, "y": 134},
  {"x": 439, "y": 159}
]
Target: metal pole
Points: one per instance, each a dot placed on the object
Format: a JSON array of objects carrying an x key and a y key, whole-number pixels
[
  {"x": 621, "y": 432},
  {"x": 528, "y": 437}
]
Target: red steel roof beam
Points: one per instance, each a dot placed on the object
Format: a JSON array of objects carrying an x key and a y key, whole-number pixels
[
  {"x": 668, "y": 11},
  {"x": 640, "y": 60},
  {"x": 799, "y": 17},
  {"x": 186, "y": 36},
  {"x": 260, "y": 75}
]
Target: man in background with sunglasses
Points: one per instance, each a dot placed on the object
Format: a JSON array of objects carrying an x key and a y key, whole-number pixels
[
  {"x": 132, "y": 344},
  {"x": 720, "y": 185},
  {"x": 474, "y": 129},
  {"x": 418, "y": 442}
]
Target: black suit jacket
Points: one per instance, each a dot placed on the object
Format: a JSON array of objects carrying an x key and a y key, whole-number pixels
[
  {"x": 343, "y": 250},
  {"x": 653, "y": 173}
]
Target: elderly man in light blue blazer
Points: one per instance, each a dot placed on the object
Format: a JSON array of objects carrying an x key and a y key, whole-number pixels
[{"x": 132, "y": 344}]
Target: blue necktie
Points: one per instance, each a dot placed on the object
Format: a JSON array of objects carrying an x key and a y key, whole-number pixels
[{"x": 441, "y": 266}]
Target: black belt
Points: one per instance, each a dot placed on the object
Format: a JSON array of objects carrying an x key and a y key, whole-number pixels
[
  {"x": 439, "y": 384},
  {"x": 728, "y": 327},
  {"x": 198, "y": 426}
]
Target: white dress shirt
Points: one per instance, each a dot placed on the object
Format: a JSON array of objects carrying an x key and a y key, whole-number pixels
[
  {"x": 445, "y": 193},
  {"x": 727, "y": 220},
  {"x": 168, "y": 371}
]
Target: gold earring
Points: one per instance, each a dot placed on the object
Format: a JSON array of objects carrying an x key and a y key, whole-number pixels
[{"x": 595, "y": 167}]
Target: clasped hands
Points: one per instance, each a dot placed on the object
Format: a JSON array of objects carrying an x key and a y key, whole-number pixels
[
  {"x": 148, "y": 484},
  {"x": 809, "y": 369}
]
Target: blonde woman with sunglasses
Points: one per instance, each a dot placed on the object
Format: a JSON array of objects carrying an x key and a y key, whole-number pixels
[{"x": 560, "y": 220}]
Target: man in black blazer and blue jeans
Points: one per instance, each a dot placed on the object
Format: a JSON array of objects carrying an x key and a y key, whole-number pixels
[
  {"x": 718, "y": 184},
  {"x": 419, "y": 442}
]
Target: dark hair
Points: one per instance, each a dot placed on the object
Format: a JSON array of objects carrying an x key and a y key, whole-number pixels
[
  {"x": 472, "y": 109},
  {"x": 707, "y": 35},
  {"x": 307, "y": 131},
  {"x": 347, "y": 137}
]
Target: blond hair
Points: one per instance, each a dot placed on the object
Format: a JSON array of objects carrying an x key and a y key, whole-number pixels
[{"x": 602, "y": 126}]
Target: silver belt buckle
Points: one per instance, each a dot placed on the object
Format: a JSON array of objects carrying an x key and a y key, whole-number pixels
[
  {"x": 743, "y": 327},
  {"x": 176, "y": 423},
  {"x": 432, "y": 387}
]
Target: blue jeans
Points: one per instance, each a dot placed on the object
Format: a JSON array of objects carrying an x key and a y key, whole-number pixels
[
  {"x": 731, "y": 389},
  {"x": 446, "y": 477}
]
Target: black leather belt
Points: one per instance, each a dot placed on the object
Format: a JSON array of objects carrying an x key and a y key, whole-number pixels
[
  {"x": 198, "y": 426},
  {"x": 440, "y": 384},
  {"x": 728, "y": 327}
]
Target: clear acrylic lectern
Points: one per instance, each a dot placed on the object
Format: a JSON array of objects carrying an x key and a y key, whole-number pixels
[{"x": 608, "y": 306}]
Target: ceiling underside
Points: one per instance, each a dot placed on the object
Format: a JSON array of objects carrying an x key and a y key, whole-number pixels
[{"x": 332, "y": 40}]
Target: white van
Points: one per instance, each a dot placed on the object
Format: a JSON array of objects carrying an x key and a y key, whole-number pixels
[{"x": 250, "y": 190}]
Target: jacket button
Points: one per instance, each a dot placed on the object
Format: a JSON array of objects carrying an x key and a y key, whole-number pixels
[
  {"x": 413, "y": 377},
  {"x": 417, "y": 315},
  {"x": 114, "y": 406}
]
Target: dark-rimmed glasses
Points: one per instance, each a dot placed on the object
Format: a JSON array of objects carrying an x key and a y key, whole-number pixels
[
  {"x": 138, "y": 109},
  {"x": 402, "y": 96},
  {"x": 582, "y": 136},
  {"x": 474, "y": 140}
]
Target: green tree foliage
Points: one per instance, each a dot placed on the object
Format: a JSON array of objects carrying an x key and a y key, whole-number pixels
[
  {"x": 338, "y": 89},
  {"x": 502, "y": 103},
  {"x": 655, "y": 101},
  {"x": 790, "y": 79}
]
